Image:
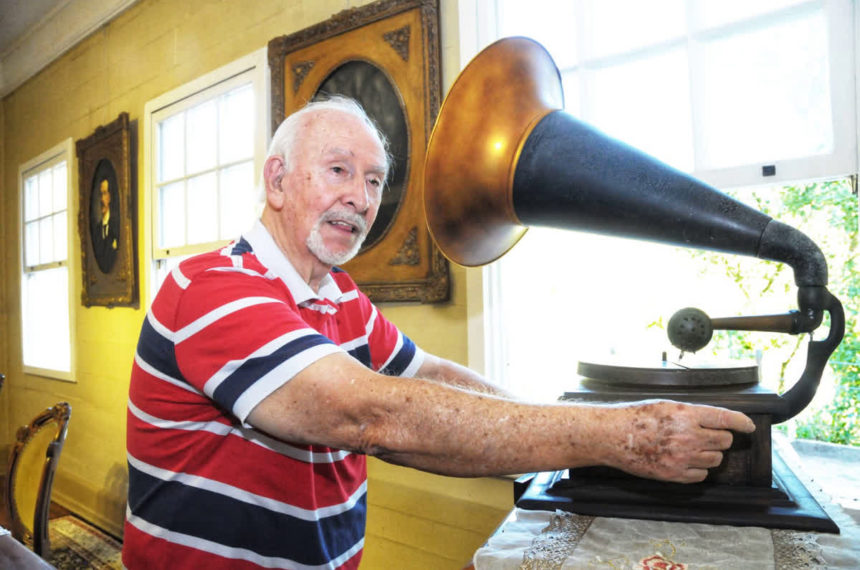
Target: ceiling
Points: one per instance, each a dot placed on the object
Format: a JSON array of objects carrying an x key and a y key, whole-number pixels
[
  {"x": 33, "y": 33},
  {"x": 19, "y": 16}
]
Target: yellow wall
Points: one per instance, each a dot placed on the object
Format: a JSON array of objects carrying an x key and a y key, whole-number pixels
[{"x": 156, "y": 46}]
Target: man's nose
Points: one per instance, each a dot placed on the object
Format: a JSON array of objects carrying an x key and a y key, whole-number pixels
[{"x": 358, "y": 196}]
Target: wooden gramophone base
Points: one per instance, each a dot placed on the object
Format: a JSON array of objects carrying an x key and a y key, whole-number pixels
[{"x": 785, "y": 504}]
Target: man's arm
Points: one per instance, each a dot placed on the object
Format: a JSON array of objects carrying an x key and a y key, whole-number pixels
[
  {"x": 453, "y": 374},
  {"x": 439, "y": 427}
]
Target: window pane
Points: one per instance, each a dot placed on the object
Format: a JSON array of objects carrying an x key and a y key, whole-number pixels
[
  {"x": 237, "y": 124},
  {"x": 756, "y": 106},
  {"x": 608, "y": 321},
  {"x": 203, "y": 209},
  {"x": 45, "y": 308},
  {"x": 202, "y": 137},
  {"x": 646, "y": 104},
  {"x": 46, "y": 240},
  {"x": 31, "y": 244},
  {"x": 237, "y": 200},
  {"x": 59, "y": 187},
  {"x": 171, "y": 148},
  {"x": 31, "y": 198},
  {"x": 709, "y": 14},
  {"x": 618, "y": 26},
  {"x": 45, "y": 192},
  {"x": 60, "y": 237},
  {"x": 546, "y": 21},
  {"x": 172, "y": 205}
]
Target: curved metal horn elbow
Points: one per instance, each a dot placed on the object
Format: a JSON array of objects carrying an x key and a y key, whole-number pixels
[{"x": 781, "y": 242}]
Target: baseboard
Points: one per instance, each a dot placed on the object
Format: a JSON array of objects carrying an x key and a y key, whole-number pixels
[{"x": 108, "y": 525}]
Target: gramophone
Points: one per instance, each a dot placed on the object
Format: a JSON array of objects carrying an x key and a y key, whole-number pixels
[{"x": 504, "y": 156}]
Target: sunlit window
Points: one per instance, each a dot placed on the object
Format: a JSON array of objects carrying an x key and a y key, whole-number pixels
[
  {"x": 719, "y": 89},
  {"x": 45, "y": 287},
  {"x": 207, "y": 142}
]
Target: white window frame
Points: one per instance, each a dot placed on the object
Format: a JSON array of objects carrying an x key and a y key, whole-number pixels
[
  {"x": 843, "y": 160},
  {"x": 63, "y": 151},
  {"x": 253, "y": 66},
  {"x": 479, "y": 27}
]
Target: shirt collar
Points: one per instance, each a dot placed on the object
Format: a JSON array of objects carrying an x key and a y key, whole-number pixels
[{"x": 270, "y": 255}]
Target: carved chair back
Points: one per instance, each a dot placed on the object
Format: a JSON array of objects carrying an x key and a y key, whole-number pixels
[{"x": 30, "y": 476}]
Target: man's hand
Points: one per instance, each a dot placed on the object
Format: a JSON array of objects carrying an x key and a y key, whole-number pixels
[{"x": 673, "y": 441}]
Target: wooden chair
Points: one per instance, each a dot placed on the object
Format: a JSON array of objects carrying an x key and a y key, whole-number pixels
[{"x": 31, "y": 475}]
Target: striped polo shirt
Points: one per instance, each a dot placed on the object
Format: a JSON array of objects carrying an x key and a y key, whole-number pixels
[{"x": 207, "y": 490}]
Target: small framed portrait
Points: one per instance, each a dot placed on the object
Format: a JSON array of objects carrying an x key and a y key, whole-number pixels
[
  {"x": 106, "y": 216},
  {"x": 385, "y": 55}
]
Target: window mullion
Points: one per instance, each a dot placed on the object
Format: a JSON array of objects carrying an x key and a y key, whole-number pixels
[
  {"x": 696, "y": 75},
  {"x": 218, "y": 166}
]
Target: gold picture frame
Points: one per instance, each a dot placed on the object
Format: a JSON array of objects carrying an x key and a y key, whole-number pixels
[
  {"x": 385, "y": 55},
  {"x": 106, "y": 184}
]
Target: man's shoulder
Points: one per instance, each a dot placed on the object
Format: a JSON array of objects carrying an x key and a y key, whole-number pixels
[{"x": 216, "y": 268}]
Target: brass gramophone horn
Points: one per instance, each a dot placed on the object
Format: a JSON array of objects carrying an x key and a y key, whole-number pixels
[{"x": 475, "y": 145}]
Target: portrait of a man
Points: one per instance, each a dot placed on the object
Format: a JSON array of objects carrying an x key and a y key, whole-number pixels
[{"x": 104, "y": 216}]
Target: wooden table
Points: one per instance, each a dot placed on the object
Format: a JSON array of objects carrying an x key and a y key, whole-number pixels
[{"x": 547, "y": 539}]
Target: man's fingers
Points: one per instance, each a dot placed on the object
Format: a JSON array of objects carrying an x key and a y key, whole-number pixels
[
  {"x": 721, "y": 418},
  {"x": 706, "y": 460},
  {"x": 716, "y": 440},
  {"x": 693, "y": 475}
]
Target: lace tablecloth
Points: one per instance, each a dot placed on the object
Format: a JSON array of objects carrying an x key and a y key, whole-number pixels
[{"x": 559, "y": 540}]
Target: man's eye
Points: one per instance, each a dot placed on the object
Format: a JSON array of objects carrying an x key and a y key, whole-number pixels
[{"x": 337, "y": 169}]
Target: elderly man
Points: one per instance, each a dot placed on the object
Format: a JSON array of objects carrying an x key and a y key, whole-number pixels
[{"x": 263, "y": 378}]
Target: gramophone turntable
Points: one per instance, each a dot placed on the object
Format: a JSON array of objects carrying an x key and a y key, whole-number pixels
[{"x": 521, "y": 161}]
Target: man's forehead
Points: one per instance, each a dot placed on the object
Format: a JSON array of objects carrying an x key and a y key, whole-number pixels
[{"x": 338, "y": 121}]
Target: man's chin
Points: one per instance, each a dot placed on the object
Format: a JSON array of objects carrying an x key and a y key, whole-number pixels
[{"x": 331, "y": 256}]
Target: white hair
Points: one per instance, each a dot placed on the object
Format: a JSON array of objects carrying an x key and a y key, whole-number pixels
[{"x": 284, "y": 140}]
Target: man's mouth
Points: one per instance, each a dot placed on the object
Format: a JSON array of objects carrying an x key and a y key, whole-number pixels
[
  {"x": 345, "y": 221},
  {"x": 346, "y": 226}
]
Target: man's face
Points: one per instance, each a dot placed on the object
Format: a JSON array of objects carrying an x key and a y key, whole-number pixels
[
  {"x": 104, "y": 190},
  {"x": 333, "y": 187}
]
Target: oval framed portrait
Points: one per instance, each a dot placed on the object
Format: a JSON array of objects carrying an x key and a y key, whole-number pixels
[{"x": 107, "y": 189}]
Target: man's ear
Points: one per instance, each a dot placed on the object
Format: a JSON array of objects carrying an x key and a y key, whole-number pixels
[{"x": 273, "y": 172}]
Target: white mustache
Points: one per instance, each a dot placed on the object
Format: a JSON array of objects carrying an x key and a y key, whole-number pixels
[{"x": 345, "y": 216}]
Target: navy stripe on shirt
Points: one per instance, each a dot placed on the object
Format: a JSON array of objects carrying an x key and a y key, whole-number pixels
[
  {"x": 253, "y": 369},
  {"x": 404, "y": 357},
  {"x": 362, "y": 354},
  {"x": 231, "y": 522},
  {"x": 158, "y": 351},
  {"x": 240, "y": 247}
]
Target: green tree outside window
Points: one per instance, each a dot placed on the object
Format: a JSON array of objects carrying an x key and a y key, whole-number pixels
[{"x": 827, "y": 211}]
